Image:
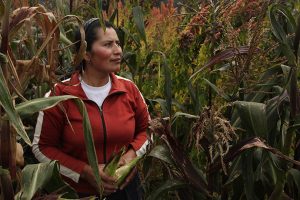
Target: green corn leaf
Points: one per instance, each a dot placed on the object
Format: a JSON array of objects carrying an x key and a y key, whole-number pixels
[
  {"x": 113, "y": 16},
  {"x": 276, "y": 27},
  {"x": 99, "y": 13},
  {"x": 28, "y": 108},
  {"x": 6, "y": 103},
  {"x": 248, "y": 175},
  {"x": 99, "y": 7},
  {"x": 294, "y": 174},
  {"x": 266, "y": 77},
  {"x": 167, "y": 85},
  {"x": 182, "y": 114},
  {"x": 149, "y": 58},
  {"x": 43, "y": 176},
  {"x": 297, "y": 39},
  {"x": 131, "y": 36},
  {"x": 139, "y": 21},
  {"x": 169, "y": 185},
  {"x": 64, "y": 39},
  {"x": 14, "y": 118},
  {"x": 253, "y": 116},
  {"x": 162, "y": 153},
  {"x": 235, "y": 171},
  {"x": 215, "y": 88},
  {"x": 89, "y": 141},
  {"x": 131, "y": 60},
  {"x": 289, "y": 53},
  {"x": 162, "y": 103},
  {"x": 288, "y": 48}
]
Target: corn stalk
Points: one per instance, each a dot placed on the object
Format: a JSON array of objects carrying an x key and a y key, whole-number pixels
[
  {"x": 15, "y": 75},
  {"x": 6, "y": 139},
  {"x": 290, "y": 47}
]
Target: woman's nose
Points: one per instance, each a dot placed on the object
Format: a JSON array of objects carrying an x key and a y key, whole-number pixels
[{"x": 117, "y": 49}]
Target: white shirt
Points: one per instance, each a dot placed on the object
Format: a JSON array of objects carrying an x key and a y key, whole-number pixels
[{"x": 96, "y": 94}]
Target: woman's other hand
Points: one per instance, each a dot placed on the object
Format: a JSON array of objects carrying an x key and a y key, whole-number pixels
[{"x": 108, "y": 182}]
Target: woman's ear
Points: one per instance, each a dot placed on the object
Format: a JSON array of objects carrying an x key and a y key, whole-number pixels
[{"x": 87, "y": 57}]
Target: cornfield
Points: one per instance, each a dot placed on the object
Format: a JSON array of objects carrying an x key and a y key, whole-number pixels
[{"x": 220, "y": 78}]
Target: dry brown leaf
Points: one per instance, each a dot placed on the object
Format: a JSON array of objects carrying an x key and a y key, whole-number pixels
[{"x": 248, "y": 144}]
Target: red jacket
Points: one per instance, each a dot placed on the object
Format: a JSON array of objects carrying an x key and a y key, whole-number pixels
[{"x": 121, "y": 121}]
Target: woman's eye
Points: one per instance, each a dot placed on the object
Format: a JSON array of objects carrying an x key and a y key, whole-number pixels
[
  {"x": 111, "y": 44},
  {"x": 108, "y": 44}
]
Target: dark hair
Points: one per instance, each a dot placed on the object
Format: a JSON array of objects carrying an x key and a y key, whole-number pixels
[{"x": 90, "y": 28}]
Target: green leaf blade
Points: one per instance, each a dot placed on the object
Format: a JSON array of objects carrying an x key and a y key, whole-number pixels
[
  {"x": 139, "y": 22},
  {"x": 253, "y": 116},
  {"x": 6, "y": 103}
]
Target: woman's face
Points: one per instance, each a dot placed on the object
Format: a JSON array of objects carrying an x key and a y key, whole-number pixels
[{"x": 106, "y": 53}]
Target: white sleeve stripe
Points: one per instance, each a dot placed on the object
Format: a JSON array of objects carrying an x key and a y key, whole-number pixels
[
  {"x": 149, "y": 118},
  {"x": 41, "y": 157},
  {"x": 143, "y": 148},
  {"x": 141, "y": 151}
]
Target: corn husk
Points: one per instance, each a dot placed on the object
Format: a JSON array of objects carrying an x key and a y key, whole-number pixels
[
  {"x": 112, "y": 165},
  {"x": 122, "y": 172},
  {"x": 111, "y": 168}
]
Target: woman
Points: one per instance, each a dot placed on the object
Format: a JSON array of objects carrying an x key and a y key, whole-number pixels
[{"x": 117, "y": 112}]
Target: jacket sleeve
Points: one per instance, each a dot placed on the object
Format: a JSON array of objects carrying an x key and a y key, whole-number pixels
[
  {"x": 46, "y": 144},
  {"x": 142, "y": 118}
]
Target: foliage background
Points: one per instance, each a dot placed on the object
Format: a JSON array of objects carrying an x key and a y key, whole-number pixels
[{"x": 220, "y": 78}]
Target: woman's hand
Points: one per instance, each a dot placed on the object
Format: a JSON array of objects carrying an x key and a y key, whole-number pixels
[
  {"x": 126, "y": 158},
  {"x": 108, "y": 182}
]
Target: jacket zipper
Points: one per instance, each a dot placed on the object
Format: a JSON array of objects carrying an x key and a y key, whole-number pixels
[
  {"x": 100, "y": 108},
  {"x": 104, "y": 132}
]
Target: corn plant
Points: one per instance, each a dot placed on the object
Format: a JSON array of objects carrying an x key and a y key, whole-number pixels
[
  {"x": 120, "y": 172},
  {"x": 244, "y": 148},
  {"x": 223, "y": 85},
  {"x": 15, "y": 76}
]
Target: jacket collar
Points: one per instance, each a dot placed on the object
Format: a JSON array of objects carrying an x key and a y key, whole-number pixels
[{"x": 74, "y": 87}]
